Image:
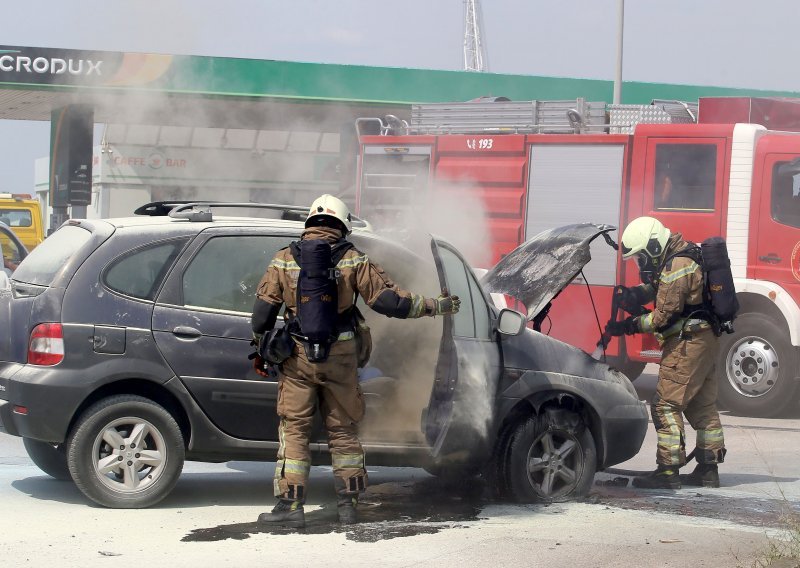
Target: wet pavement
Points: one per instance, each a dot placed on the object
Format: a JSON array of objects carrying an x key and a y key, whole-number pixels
[
  {"x": 429, "y": 506},
  {"x": 701, "y": 502},
  {"x": 386, "y": 511}
]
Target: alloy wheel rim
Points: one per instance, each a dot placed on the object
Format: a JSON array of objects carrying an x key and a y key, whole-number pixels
[
  {"x": 129, "y": 455},
  {"x": 554, "y": 464},
  {"x": 752, "y": 367}
]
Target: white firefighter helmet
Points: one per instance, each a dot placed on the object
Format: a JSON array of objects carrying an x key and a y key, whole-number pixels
[
  {"x": 644, "y": 235},
  {"x": 330, "y": 206}
]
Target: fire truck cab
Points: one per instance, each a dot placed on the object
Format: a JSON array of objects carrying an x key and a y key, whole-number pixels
[{"x": 722, "y": 166}]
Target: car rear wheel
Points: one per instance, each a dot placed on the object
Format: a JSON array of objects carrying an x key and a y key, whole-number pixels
[
  {"x": 757, "y": 368},
  {"x": 552, "y": 458},
  {"x": 50, "y": 458},
  {"x": 126, "y": 452}
]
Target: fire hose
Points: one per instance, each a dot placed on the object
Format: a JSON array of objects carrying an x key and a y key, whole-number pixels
[
  {"x": 618, "y": 303},
  {"x": 636, "y": 473}
]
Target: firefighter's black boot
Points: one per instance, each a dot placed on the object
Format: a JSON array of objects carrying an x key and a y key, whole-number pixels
[
  {"x": 346, "y": 506},
  {"x": 347, "y": 491},
  {"x": 704, "y": 475},
  {"x": 664, "y": 477},
  {"x": 286, "y": 513}
]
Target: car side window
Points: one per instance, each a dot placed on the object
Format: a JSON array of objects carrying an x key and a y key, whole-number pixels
[
  {"x": 140, "y": 273},
  {"x": 225, "y": 273},
  {"x": 472, "y": 320},
  {"x": 481, "y": 310}
]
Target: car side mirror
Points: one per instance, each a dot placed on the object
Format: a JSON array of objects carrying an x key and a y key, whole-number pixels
[{"x": 510, "y": 322}]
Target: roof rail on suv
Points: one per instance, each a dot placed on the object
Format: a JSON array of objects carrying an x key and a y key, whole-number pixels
[
  {"x": 200, "y": 211},
  {"x": 159, "y": 208}
]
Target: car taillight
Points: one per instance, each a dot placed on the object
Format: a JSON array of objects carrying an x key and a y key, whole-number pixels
[{"x": 47, "y": 344}]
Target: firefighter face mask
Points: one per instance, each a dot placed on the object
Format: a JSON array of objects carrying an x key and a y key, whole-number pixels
[{"x": 647, "y": 268}]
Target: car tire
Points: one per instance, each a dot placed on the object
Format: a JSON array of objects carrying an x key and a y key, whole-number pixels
[
  {"x": 496, "y": 470},
  {"x": 50, "y": 458},
  {"x": 757, "y": 368},
  {"x": 126, "y": 452},
  {"x": 552, "y": 458}
]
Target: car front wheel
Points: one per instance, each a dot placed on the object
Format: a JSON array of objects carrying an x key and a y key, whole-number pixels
[
  {"x": 126, "y": 452},
  {"x": 50, "y": 458},
  {"x": 552, "y": 458}
]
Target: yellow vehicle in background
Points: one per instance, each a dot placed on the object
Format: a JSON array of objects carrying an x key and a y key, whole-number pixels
[{"x": 24, "y": 216}]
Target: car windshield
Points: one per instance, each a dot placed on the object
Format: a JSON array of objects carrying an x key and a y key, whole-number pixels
[{"x": 43, "y": 263}]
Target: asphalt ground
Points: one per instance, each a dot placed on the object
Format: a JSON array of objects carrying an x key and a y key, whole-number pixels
[{"x": 413, "y": 519}]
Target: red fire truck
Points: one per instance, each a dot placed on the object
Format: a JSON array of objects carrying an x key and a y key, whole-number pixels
[{"x": 722, "y": 166}]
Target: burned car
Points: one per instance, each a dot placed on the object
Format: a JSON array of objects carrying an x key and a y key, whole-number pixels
[{"x": 127, "y": 344}]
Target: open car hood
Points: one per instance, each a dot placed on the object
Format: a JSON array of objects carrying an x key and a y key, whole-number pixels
[{"x": 537, "y": 270}]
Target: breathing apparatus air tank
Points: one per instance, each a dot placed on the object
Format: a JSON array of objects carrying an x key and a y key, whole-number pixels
[{"x": 719, "y": 282}]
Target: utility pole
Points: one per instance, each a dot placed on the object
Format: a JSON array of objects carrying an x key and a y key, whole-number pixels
[
  {"x": 475, "y": 57},
  {"x": 620, "y": 35}
]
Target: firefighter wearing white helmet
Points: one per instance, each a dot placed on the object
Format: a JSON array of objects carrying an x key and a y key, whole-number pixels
[
  {"x": 332, "y": 207},
  {"x": 327, "y": 342},
  {"x": 672, "y": 277}
]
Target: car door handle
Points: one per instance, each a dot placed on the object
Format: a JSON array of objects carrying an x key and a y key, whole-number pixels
[
  {"x": 186, "y": 331},
  {"x": 771, "y": 258}
]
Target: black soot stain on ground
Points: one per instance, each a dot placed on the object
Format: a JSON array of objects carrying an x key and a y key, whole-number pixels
[
  {"x": 770, "y": 513},
  {"x": 386, "y": 511}
]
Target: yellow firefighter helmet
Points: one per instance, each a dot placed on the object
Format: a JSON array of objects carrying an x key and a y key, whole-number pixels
[{"x": 644, "y": 235}]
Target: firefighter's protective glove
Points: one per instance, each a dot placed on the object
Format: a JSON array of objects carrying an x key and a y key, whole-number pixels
[
  {"x": 632, "y": 300},
  {"x": 260, "y": 366},
  {"x": 628, "y": 326},
  {"x": 446, "y": 305}
]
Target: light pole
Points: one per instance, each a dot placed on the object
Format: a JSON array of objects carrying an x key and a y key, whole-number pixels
[{"x": 620, "y": 34}]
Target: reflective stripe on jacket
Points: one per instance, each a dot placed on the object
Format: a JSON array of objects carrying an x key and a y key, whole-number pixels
[{"x": 358, "y": 274}]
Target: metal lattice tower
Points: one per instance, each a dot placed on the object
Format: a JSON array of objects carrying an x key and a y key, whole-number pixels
[{"x": 475, "y": 57}]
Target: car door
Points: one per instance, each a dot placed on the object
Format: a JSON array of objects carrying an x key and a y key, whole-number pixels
[
  {"x": 201, "y": 324},
  {"x": 459, "y": 416},
  {"x": 11, "y": 249}
]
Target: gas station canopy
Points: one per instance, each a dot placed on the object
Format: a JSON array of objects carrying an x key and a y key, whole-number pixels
[{"x": 219, "y": 92}]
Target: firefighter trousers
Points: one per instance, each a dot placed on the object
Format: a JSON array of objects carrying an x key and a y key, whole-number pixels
[
  {"x": 333, "y": 386},
  {"x": 687, "y": 384}
]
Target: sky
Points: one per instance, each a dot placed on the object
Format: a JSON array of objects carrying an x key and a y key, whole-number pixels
[{"x": 731, "y": 43}]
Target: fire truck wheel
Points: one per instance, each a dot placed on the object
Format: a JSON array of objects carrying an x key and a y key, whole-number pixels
[
  {"x": 757, "y": 368},
  {"x": 552, "y": 458}
]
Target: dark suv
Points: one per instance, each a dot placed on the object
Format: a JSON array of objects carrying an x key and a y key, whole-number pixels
[{"x": 127, "y": 344}]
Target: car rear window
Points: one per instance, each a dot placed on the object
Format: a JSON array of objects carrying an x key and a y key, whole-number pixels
[{"x": 43, "y": 263}]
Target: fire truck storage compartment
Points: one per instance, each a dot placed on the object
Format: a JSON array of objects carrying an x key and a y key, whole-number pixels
[
  {"x": 576, "y": 184},
  {"x": 393, "y": 181},
  {"x": 489, "y": 171}
]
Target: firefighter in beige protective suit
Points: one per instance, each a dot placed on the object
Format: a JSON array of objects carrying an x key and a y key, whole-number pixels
[
  {"x": 306, "y": 381},
  {"x": 687, "y": 382}
]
